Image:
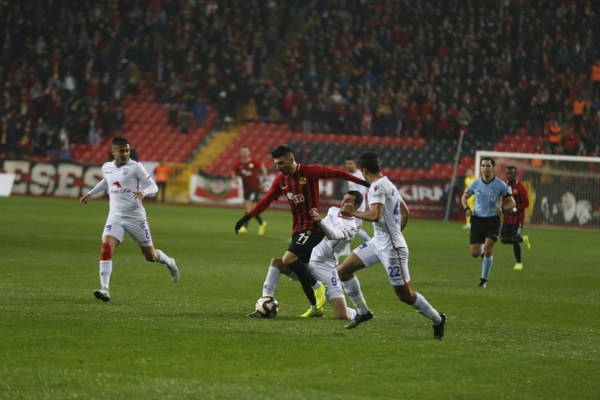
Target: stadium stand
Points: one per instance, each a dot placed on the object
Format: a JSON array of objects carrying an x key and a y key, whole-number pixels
[{"x": 395, "y": 75}]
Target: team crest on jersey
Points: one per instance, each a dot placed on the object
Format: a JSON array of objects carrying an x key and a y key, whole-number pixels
[
  {"x": 250, "y": 165},
  {"x": 302, "y": 180},
  {"x": 125, "y": 171},
  {"x": 375, "y": 188}
]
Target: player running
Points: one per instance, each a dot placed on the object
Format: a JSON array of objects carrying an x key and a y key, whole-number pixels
[
  {"x": 389, "y": 214},
  {"x": 512, "y": 221},
  {"x": 128, "y": 183}
]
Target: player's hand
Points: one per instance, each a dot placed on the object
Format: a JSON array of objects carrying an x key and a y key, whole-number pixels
[
  {"x": 241, "y": 222},
  {"x": 365, "y": 183},
  {"x": 83, "y": 201},
  {"x": 315, "y": 215},
  {"x": 139, "y": 195}
]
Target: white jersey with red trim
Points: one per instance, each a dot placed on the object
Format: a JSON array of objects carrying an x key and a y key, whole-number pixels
[
  {"x": 387, "y": 231},
  {"x": 121, "y": 182},
  {"x": 344, "y": 228}
]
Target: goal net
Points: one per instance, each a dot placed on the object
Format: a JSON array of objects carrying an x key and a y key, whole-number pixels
[{"x": 563, "y": 190}]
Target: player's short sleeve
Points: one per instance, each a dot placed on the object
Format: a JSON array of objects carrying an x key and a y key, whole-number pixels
[
  {"x": 377, "y": 194},
  {"x": 471, "y": 188}
]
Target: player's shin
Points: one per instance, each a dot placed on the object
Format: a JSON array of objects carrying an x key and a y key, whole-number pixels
[
  {"x": 105, "y": 265},
  {"x": 352, "y": 288},
  {"x": 423, "y": 307},
  {"x": 162, "y": 257},
  {"x": 271, "y": 281},
  {"x": 307, "y": 280}
]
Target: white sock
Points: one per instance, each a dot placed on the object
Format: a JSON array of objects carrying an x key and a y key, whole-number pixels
[
  {"x": 162, "y": 257},
  {"x": 105, "y": 271},
  {"x": 352, "y": 288},
  {"x": 271, "y": 282},
  {"x": 350, "y": 312},
  {"x": 423, "y": 307}
]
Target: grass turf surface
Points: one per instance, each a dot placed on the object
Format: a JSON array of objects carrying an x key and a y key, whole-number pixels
[{"x": 531, "y": 334}]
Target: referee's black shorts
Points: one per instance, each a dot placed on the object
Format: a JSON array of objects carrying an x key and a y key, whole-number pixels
[{"x": 482, "y": 228}]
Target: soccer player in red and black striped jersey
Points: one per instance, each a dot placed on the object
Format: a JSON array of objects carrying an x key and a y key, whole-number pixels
[
  {"x": 251, "y": 171},
  {"x": 512, "y": 221},
  {"x": 300, "y": 184}
]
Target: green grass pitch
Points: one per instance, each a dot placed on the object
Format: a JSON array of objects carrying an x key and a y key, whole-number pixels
[{"x": 532, "y": 334}]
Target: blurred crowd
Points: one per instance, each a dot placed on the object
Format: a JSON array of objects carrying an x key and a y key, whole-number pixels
[
  {"x": 388, "y": 68},
  {"x": 431, "y": 68}
]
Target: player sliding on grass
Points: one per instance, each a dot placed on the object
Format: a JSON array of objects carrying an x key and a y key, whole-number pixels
[
  {"x": 300, "y": 184},
  {"x": 340, "y": 228},
  {"x": 389, "y": 214},
  {"x": 127, "y": 182}
]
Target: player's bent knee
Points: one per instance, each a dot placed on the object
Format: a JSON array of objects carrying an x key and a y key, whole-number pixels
[
  {"x": 105, "y": 252},
  {"x": 506, "y": 240}
]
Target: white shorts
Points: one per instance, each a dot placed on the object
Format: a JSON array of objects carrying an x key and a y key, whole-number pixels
[
  {"x": 138, "y": 228},
  {"x": 327, "y": 273},
  {"x": 395, "y": 261}
]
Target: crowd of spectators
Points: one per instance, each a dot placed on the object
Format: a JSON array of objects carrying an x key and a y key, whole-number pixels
[
  {"x": 66, "y": 66},
  {"x": 431, "y": 68},
  {"x": 402, "y": 67}
]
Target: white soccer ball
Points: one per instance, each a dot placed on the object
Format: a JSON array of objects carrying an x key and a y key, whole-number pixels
[{"x": 267, "y": 306}]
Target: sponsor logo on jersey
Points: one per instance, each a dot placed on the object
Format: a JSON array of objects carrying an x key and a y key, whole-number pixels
[
  {"x": 118, "y": 185},
  {"x": 295, "y": 198}
]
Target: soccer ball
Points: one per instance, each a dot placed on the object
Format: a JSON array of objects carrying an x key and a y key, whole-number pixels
[{"x": 267, "y": 306}]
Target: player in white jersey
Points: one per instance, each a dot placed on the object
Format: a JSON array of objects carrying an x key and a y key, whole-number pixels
[
  {"x": 127, "y": 183},
  {"x": 351, "y": 167},
  {"x": 339, "y": 228},
  {"x": 389, "y": 214}
]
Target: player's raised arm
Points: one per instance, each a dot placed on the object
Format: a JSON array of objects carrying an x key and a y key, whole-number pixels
[{"x": 327, "y": 173}]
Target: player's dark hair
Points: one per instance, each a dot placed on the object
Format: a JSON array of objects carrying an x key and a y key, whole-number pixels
[
  {"x": 358, "y": 197},
  {"x": 282, "y": 151},
  {"x": 370, "y": 161},
  {"x": 511, "y": 168},
  {"x": 120, "y": 141},
  {"x": 349, "y": 158},
  {"x": 490, "y": 159}
]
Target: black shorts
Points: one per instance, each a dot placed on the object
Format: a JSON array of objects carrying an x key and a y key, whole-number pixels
[
  {"x": 303, "y": 242},
  {"x": 482, "y": 228},
  {"x": 251, "y": 195},
  {"x": 511, "y": 231}
]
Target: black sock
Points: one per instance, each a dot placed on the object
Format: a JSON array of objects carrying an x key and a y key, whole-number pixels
[
  {"x": 517, "y": 251},
  {"x": 259, "y": 219},
  {"x": 307, "y": 280}
]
